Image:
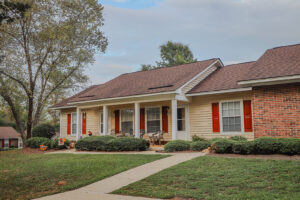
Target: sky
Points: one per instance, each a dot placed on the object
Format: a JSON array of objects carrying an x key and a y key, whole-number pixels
[{"x": 232, "y": 30}]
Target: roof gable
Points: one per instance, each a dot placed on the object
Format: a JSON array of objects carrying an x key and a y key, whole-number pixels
[{"x": 7, "y": 132}]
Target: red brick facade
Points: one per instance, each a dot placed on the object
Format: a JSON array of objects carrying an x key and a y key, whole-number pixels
[{"x": 276, "y": 110}]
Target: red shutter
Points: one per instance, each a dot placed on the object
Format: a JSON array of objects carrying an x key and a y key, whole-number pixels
[
  {"x": 117, "y": 121},
  {"x": 247, "y": 116},
  {"x": 165, "y": 119},
  {"x": 142, "y": 118},
  {"x": 215, "y": 117},
  {"x": 2, "y": 143},
  {"x": 9, "y": 142},
  {"x": 69, "y": 124},
  {"x": 84, "y": 123}
]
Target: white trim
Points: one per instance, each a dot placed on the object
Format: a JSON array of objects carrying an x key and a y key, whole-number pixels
[
  {"x": 179, "y": 90},
  {"x": 146, "y": 116},
  {"x": 271, "y": 81},
  {"x": 242, "y": 132},
  {"x": 220, "y": 91},
  {"x": 60, "y": 123},
  {"x": 126, "y": 97},
  {"x": 72, "y": 124},
  {"x": 174, "y": 119},
  {"x": 105, "y": 120},
  {"x": 187, "y": 121},
  {"x": 62, "y": 107},
  {"x": 101, "y": 118},
  {"x": 137, "y": 120}
]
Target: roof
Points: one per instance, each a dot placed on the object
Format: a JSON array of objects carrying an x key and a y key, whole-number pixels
[
  {"x": 142, "y": 82},
  {"x": 223, "y": 78},
  {"x": 276, "y": 62},
  {"x": 8, "y": 132}
]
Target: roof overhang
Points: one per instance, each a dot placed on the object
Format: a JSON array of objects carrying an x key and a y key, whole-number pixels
[
  {"x": 271, "y": 81},
  {"x": 220, "y": 91}
]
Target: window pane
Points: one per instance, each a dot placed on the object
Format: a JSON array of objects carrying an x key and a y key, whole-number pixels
[
  {"x": 231, "y": 116},
  {"x": 127, "y": 120},
  {"x": 74, "y": 121},
  {"x": 153, "y": 119},
  {"x": 181, "y": 125},
  {"x": 153, "y": 126}
]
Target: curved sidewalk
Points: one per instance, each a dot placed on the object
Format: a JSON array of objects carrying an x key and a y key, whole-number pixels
[{"x": 99, "y": 190}]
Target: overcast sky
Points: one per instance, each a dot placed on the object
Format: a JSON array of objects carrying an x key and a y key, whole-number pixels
[{"x": 233, "y": 30}]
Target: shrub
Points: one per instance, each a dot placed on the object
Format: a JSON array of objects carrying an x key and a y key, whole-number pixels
[
  {"x": 289, "y": 146},
  {"x": 54, "y": 144},
  {"x": 93, "y": 143},
  {"x": 199, "y": 145},
  {"x": 43, "y": 130},
  {"x": 243, "y": 147},
  {"x": 35, "y": 142},
  {"x": 197, "y": 138},
  {"x": 127, "y": 144},
  {"x": 222, "y": 146},
  {"x": 177, "y": 145},
  {"x": 238, "y": 138},
  {"x": 266, "y": 145}
]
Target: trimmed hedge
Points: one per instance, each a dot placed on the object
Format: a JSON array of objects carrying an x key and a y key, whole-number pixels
[
  {"x": 199, "y": 145},
  {"x": 110, "y": 143},
  {"x": 197, "y": 138},
  {"x": 35, "y": 142},
  {"x": 177, "y": 145},
  {"x": 43, "y": 130},
  {"x": 263, "y": 145}
]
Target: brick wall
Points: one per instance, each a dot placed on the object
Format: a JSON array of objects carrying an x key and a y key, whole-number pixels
[{"x": 276, "y": 110}]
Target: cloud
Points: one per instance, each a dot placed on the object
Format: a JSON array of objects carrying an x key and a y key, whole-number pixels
[{"x": 234, "y": 30}]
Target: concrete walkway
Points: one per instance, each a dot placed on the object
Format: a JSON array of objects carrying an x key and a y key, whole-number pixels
[{"x": 99, "y": 190}]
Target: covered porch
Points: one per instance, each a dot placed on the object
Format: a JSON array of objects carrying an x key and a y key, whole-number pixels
[{"x": 140, "y": 119}]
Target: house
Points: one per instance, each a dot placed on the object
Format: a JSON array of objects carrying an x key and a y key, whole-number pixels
[
  {"x": 10, "y": 138},
  {"x": 205, "y": 98}
]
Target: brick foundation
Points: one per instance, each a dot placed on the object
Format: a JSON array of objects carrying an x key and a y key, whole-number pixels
[{"x": 276, "y": 110}]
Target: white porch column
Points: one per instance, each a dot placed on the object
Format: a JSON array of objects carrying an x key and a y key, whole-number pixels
[
  {"x": 137, "y": 120},
  {"x": 77, "y": 123},
  {"x": 60, "y": 123},
  {"x": 105, "y": 120},
  {"x": 174, "y": 119}
]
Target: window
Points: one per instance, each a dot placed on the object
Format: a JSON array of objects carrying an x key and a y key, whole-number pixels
[
  {"x": 73, "y": 123},
  {"x": 6, "y": 143},
  {"x": 231, "y": 116},
  {"x": 153, "y": 119},
  {"x": 127, "y": 121},
  {"x": 101, "y": 122},
  {"x": 180, "y": 119}
]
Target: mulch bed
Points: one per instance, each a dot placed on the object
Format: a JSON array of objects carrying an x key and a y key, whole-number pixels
[{"x": 272, "y": 157}]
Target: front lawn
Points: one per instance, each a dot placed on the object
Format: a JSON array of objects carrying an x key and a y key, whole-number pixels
[
  {"x": 222, "y": 178},
  {"x": 27, "y": 176}
]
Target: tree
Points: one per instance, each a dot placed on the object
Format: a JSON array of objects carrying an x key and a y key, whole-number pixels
[
  {"x": 45, "y": 51},
  {"x": 10, "y": 10},
  {"x": 172, "y": 53}
]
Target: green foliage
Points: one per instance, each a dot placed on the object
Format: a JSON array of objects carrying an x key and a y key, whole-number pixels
[
  {"x": 243, "y": 147},
  {"x": 35, "y": 142},
  {"x": 267, "y": 145},
  {"x": 9, "y": 11},
  {"x": 172, "y": 53},
  {"x": 289, "y": 146},
  {"x": 54, "y": 144},
  {"x": 43, "y": 130},
  {"x": 199, "y": 145},
  {"x": 197, "y": 138},
  {"x": 238, "y": 138},
  {"x": 222, "y": 146},
  {"x": 110, "y": 143},
  {"x": 177, "y": 145},
  {"x": 127, "y": 144}
]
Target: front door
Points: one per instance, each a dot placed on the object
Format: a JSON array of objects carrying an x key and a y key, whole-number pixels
[{"x": 182, "y": 123}]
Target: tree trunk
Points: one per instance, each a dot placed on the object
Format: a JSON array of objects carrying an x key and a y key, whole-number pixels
[{"x": 29, "y": 117}]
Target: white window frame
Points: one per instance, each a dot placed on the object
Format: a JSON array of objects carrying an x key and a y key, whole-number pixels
[
  {"x": 120, "y": 123},
  {"x": 146, "y": 117},
  {"x": 185, "y": 107},
  {"x": 6, "y": 142},
  {"x": 73, "y": 134},
  {"x": 101, "y": 118},
  {"x": 242, "y": 118}
]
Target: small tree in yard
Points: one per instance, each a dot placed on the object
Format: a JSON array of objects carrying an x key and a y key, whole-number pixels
[{"x": 47, "y": 50}]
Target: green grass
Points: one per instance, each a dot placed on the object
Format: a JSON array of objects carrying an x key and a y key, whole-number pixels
[
  {"x": 24, "y": 176},
  {"x": 222, "y": 178}
]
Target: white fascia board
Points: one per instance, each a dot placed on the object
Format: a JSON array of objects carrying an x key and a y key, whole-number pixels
[
  {"x": 271, "y": 81},
  {"x": 181, "y": 97},
  {"x": 179, "y": 90},
  {"x": 127, "y": 97},
  {"x": 221, "y": 91},
  {"x": 62, "y": 107}
]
